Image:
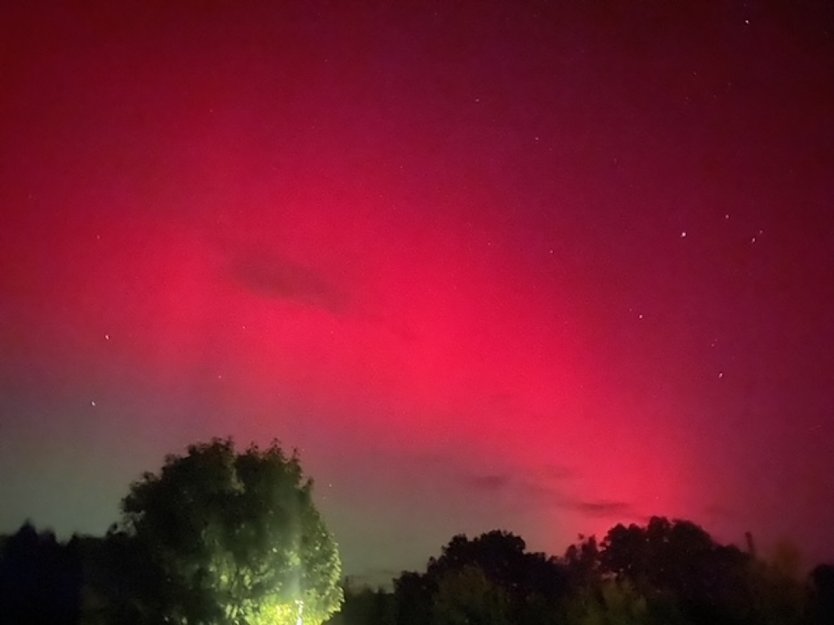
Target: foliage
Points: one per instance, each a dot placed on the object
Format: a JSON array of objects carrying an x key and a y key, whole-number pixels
[
  {"x": 582, "y": 563},
  {"x": 777, "y": 596},
  {"x": 490, "y": 579},
  {"x": 365, "y": 606},
  {"x": 234, "y": 537},
  {"x": 122, "y": 584},
  {"x": 413, "y": 599},
  {"x": 610, "y": 602},
  {"x": 677, "y": 563},
  {"x": 466, "y": 596}
]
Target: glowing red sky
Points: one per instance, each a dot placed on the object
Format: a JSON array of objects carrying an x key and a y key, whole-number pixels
[{"x": 542, "y": 268}]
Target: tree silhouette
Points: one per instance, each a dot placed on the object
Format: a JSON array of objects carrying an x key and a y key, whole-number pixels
[
  {"x": 235, "y": 538},
  {"x": 40, "y": 579},
  {"x": 492, "y": 574},
  {"x": 503, "y": 558},
  {"x": 364, "y": 606},
  {"x": 609, "y": 602},
  {"x": 685, "y": 575},
  {"x": 582, "y": 563},
  {"x": 821, "y": 608},
  {"x": 123, "y": 584},
  {"x": 466, "y": 596},
  {"x": 413, "y": 599}
]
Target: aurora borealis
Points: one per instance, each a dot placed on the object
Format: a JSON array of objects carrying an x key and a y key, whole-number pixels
[{"x": 537, "y": 266}]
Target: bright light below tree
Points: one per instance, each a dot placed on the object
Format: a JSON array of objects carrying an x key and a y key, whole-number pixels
[{"x": 235, "y": 537}]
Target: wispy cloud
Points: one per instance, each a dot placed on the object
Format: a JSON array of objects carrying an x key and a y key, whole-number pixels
[
  {"x": 559, "y": 472},
  {"x": 488, "y": 482},
  {"x": 601, "y": 508},
  {"x": 271, "y": 275}
]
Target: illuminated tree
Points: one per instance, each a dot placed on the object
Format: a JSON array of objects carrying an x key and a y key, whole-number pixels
[{"x": 235, "y": 538}]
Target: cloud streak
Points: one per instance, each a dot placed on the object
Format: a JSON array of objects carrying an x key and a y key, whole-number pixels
[
  {"x": 273, "y": 276},
  {"x": 491, "y": 483},
  {"x": 601, "y": 508}
]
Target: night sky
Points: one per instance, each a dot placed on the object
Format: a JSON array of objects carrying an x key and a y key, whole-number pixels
[{"x": 535, "y": 266}]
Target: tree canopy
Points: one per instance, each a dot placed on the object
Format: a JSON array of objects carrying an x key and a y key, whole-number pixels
[
  {"x": 488, "y": 579},
  {"x": 234, "y": 537}
]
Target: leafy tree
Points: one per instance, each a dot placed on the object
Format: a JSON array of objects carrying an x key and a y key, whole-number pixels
[
  {"x": 503, "y": 558},
  {"x": 677, "y": 562},
  {"x": 467, "y": 597},
  {"x": 122, "y": 584},
  {"x": 413, "y": 598},
  {"x": 529, "y": 585},
  {"x": 365, "y": 606},
  {"x": 777, "y": 596},
  {"x": 234, "y": 538},
  {"x": 609, "y": 602},
  {"x": 582, "y": 563}
]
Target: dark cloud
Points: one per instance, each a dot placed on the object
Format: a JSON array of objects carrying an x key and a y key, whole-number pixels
[
  {"x": 491, "y": 483},
  {"x": 274, "y": 276},
  {"x": 602, "y": 508},
  {"x": 559, "y": 472}
]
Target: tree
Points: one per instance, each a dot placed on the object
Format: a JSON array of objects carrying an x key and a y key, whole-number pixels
[
  {"x": 582, "y": 562},
  {"x": 413, "y": 596},
  {"x": 234, "y": 538},
  {"x": 467, "y": 597},
  {"x": 777, "y": 593},
  {"x": 678, "y": 566},
  {"x": 365, "y": 606},
  {"x": 489, "y": 579},
  {"x": 503, "y": 558},
  {"x": 40, "y": 579},
  {"x": 822, "y": 594},
  {"x": 608, "y": 602}
]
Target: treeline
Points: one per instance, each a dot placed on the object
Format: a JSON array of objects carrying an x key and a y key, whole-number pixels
[
  {"x": 88, "y": 579},
  {"x": 226, "y": 537},
  {"x": 664, "y": 573}
]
